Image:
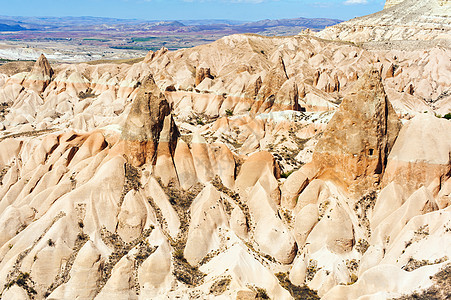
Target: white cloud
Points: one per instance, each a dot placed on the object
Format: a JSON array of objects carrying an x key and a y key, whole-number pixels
[{"x": 352, "y": 2}]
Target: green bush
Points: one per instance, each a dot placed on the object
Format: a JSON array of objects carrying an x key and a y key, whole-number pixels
[
  {"x": 200, "y": 122},
  {"x": 286, "y": 174}
]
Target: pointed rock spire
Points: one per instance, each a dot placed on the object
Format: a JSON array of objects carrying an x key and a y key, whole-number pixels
[
  {"x": 354, "y": 148},
  {"x": 145, "y": 123},
  {"x": 272, "y": 83},
  {"x": 40, "y": 76}
]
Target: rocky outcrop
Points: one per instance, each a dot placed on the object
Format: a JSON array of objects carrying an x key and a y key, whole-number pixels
[
  {"x": 208, "y": 213},
  {"x": 255, "y": 167},
  {"x": 354, "y": 148},
  {"x": 155, "y": 55},
  {"x": 421, "y": 155},
  {"x": 272, "y": 83},
  {"x": 39, "y": 77},
  {"x": 201, "y": 74},
  {"x": 203, "y": 233},
  {"x": 164, "y": 164},
  {"x": 400, "y": 20},
  {"x": 145, "y": 122}
]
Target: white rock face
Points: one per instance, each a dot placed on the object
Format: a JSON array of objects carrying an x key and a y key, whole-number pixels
[
  {"x": 84, "y": 275},
  {"x": 421, "y": 153},
  {"x": 121, "y": 284},
  {"x": 390, "y": 3},
  {"x": 271, "y": 234},
  {"x": 400, "y": 20},
  {"x": 132, "y": 217},
  {"x": 384, "y": 281},
  {"x": 245, "y": 270},
  {"x": 207, "y": 217}
]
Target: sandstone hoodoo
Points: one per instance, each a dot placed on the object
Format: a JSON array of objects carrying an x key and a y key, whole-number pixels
[
  {"x": 275, "y": 79},
  {"x": 354, "y": 147},
  {"x": 149, "y": 113},
  {"x": 40, "y": 76}
]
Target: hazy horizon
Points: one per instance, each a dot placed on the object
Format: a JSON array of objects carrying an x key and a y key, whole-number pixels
[{"x": 238, "y": 10}]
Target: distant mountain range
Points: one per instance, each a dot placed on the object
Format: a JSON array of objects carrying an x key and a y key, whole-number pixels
[
  {"x": 103, "y": 36},
  {"x": 6, "y": 27},
  {"x": 8, "y": 23}
]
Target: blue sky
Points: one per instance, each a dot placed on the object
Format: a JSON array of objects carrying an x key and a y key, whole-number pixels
[{"x": 193, "y": 9}]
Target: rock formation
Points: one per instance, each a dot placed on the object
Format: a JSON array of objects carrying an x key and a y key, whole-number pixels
[
  {"x": 274, "y": 80},
  {"x": 424, "y": 20},
  {"x": 201, "y": 74},
  {"x": 285, "y": 175},
  {"x": 419, "y": 158},
  {"x": 39, "y": 77},
  {"x": 149, "y": 114},
  {"x": 357, "y": 141}
]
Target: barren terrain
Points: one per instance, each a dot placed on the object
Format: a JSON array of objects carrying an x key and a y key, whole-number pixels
[{"x": 252, "y": 167}]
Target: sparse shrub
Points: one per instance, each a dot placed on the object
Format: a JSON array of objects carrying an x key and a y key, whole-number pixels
[
  {"x": 21, "y": 280},
  {"x": 354, "y": 279},
  {"x": 286, "y": 174},
  {"x": 178, "y": 254},
  {"x": 144, "y": 251},
  {"x": 133, "y": 177},
  {"x": 186, "y": 273},
  {"x": 287, "y": 216},
  {"x": 132, "y": 181},
  {"x": 363, "y": 207},
  {"x": 441, "y": 289},
  {"x": 200, "y": 122},
  {"x": 84, "y": 95},
  {"x": 447, "y": 116},
  {"x": 220, "y": 286},
  {"x": 82, "y": 237},
  {"x": 24, "y": 281},
  {"x": 297, "y": 292},
  {"x": 312, "y": 268},
  {"x": 362, "y": 246},
  {"x": 261, "y": 294},
  {"x": 353, "y": 265},
  {"x": 229, "y": 112},
  {"x": 51, "y": 243},
  {"x": 413, "y": 264}
]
